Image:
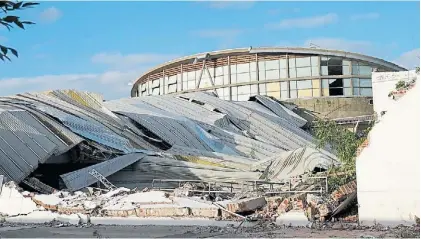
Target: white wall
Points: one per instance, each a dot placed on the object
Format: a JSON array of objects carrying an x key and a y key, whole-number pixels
[
  {"x": 385, "y": 82},
  {"x": 388, "y": 169}
]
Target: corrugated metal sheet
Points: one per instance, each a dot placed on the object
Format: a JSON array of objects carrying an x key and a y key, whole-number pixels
[
  {"x": 276, "y": 132},
  {"x": 81, "y": 178},
  {"x": 22, "y": 147},
  {"x": 294, "y": 163},
  {"x": 280, "y": 110},
  {"x": 203, "y": 137}
]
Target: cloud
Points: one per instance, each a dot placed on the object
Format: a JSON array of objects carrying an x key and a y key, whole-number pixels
[
  {"x": 409, "y": 59},
  {"x": 365, "y": 16},
  {"x": 340, "y": 44},
  {"x": 50, "y": 14},
  {"x": 305, "y": 22},
  {"x": 112, "y": 83},
  {"x": 118, "y": 60},
  {"x": 231, "y": 4}
]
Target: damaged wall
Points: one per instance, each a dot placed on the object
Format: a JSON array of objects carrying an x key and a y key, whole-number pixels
[{"x": 388, "y": 169}]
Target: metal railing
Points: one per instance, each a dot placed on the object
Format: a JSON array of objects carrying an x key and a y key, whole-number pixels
[{"x": 241, "y": 186}]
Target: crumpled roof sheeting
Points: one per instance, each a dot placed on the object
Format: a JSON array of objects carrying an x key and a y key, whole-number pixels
[
  {"x": 81, "y": 178},
  {"x": 22, "y": 147},
  {"x": 280, "y": 110},
  {"x": 174, "y": 129},
  {"x": 143, "y": 172},
  {"x": 280, "y": 133},
  {"x": 294, "y": 163},
  {"x": 189, "y": 136}
]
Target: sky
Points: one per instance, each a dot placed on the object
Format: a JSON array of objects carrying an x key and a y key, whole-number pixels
[{"x": 103, "y": 46}]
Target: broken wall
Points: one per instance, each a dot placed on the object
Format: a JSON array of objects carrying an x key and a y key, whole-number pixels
[{"x": 388, "y": 169}]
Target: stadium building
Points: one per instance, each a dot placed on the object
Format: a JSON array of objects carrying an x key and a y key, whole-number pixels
[{"x": 327, "y": 83}]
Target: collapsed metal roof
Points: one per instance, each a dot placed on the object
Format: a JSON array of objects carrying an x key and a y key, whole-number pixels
[{"x": 188, "y": 136}]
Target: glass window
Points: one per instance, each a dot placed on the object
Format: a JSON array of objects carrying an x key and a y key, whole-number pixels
[
  {"x": 355, "y": 70},
  {"x": 291, "y": 62},
  {"x": 304, "y": 71},
  {"x": 315, "y": 71},
  {"x": 293, "y": 94},
  {"x": 262, "y": 66},
  {"x": 325, "y": 83},
  {"x": 365, "y": 82},
  {"x": 284, "y": 95},
  {"x": 233, "y": 69},
  {"x": 355, "y": 82},
  {"x": 272, "y": 75},
  {"x": 346, "y": 63},
  {"x": 347, "y": 82},
  {"x": 293, "y": 85},
  {"x": 302, "y": 62},
  {"x": 292, "y": 73},
  {"x": 234, "y": 90},
  {"x": 365, "y": 70},
  {"x": 253, "y": 89},
  {"x": 345, "y": 70},
  {"x": 324, "y": 71},
  {"x": 272, "y": 65},
  {"x": 242, "y": 68},
  {"x": 284, "y": 85},
  {"x": 283, "y": 63},
  {"x": 262, "y": 88},
  {"x": 314, "y": 61},
  {"x": 283, "y": 73},
  {"x": 244, "y": 89},
  {"x": 262, "y": 75},
  {"x": 366, "y": 92},
  {"x": 304, "y": 84},
  {"x": 253, "y": 66},
  {"x": 356, "y": 91},
  {"x": 347, "y": 91},
  {"x": 243, "y": 77}
]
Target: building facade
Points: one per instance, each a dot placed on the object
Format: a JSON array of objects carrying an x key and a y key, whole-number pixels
[{"x": 298, "y": 75}]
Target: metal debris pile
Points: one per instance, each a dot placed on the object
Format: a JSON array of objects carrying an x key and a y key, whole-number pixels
[{"x": 56, "y": 140}]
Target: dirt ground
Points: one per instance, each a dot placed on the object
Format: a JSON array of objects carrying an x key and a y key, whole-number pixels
[{"x": 266, "y": 230}]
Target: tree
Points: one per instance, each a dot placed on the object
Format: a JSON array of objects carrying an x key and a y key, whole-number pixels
[{"x": 9, "y": 20}]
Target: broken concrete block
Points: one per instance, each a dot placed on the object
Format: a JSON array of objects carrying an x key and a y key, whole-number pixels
[
  {"x": 34, "y": 217},
  {"x": 13, "y": 203},
  {"x": 296, "y": 218},
  {"x": 205, "y": 212},
  {"x": 73, "y": 219},
  {"x": 246, "y": 204},
  {"x": 163, "y": 212}
]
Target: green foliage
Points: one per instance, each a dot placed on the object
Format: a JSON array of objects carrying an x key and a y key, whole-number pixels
[
  {"x": 345, "y": 144},
  {"x": 10, "y": 21},
  {"x": 401, "y": 84},
  {"x": 417, "y": 69}
]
